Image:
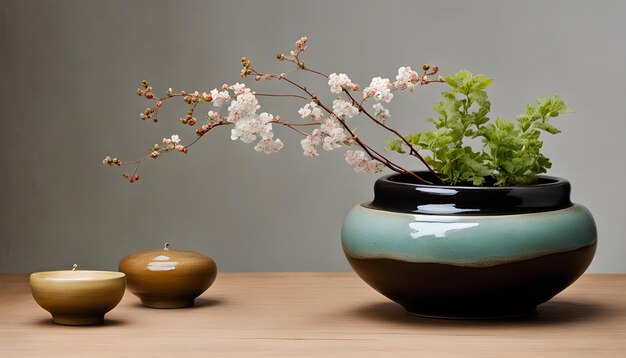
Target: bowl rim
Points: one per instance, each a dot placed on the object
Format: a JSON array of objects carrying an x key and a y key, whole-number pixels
[{"x": 63, "y": 275}]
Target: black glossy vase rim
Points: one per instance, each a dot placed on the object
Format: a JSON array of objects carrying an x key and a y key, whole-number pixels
[{"x": 399, "y": 193}]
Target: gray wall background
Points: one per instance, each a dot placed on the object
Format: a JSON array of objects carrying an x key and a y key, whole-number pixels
[{"x": 69, "y": 70}]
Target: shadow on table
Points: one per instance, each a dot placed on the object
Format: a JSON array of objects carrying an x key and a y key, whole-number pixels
[
  {"x": 553, "y": 312},
  {"x": 107, "y": 323},
  {"x": 206, "y": 302},
  {"x": 198, "y": 303}
]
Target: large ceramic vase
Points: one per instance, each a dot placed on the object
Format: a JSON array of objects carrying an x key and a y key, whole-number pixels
[{"x": 469, "y": 252}]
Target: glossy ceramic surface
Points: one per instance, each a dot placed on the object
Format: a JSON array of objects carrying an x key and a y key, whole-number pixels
[
  {"x": 441, "y": 251},
  {"x": 78, "y": 297},
  {"x": 396, "y": 193},
  {"x": 168, "y": 278}
]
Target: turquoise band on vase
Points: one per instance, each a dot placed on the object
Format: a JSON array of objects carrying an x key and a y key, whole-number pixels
[{"x": 465, "y": 240}]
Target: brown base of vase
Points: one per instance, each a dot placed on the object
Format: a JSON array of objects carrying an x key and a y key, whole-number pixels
[{"x": 469, "y": 292}]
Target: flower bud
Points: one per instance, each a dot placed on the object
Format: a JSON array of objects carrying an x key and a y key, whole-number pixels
[
  {"x": 425, "y": 67},
  {"x": 301, "y": 43}
]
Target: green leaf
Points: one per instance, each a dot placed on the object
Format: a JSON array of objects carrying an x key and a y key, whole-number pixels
[
  {"x": 395, "y": 145},
  {"x": 547, "y": 127}
]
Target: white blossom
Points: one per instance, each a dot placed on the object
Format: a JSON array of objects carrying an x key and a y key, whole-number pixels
[
  {"x": 172, "y": 142},
  {"x": 406, "y": 79},
  {"x": 239, "y": 88},
  {"x": 338, "y": 82},
  {"x": 343, "y": 108},
  {"x": 219, "y": 98},
  {"x": 332, "y": 142},
  {"x": 214, "y": 116},
  {"x": 247, "y": 129},
  {"x": 310, "y": 143},
  {"x": 330, "y": 135},
  {"x": 269, "y": 146},
  {"x": 380, "y": 89},
  {"x": 381, "y": 112},
  {"x": 305, "y": 111},
  {"x": 329, "y": 126},
  {"x": 311, "y": 110},
  {"x": 333, "y": 134},
  {"x": 361, "y": 163},
  {"x": 244, "y": 106}
]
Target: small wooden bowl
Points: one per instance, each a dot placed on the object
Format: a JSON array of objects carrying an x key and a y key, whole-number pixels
[
  {"x": 77, "y": 298},
  {"x": 168, "y": 278}
]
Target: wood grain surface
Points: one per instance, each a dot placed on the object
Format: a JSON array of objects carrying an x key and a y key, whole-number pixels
[{"x": 316, "y": 314}]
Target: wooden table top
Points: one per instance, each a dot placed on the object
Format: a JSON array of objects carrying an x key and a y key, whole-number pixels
[{"x": 316, "y": 314}]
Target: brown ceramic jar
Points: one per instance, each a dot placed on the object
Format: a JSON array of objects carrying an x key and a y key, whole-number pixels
[{"x": 168, "y": 278}]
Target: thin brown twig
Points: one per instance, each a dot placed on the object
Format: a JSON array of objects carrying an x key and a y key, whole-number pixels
[
  {"x": 412, "y": 149},
  {"x": 280, "y": 95}
]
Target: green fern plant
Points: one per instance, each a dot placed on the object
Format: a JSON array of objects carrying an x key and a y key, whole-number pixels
[{"x": 511, "y": 151}]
